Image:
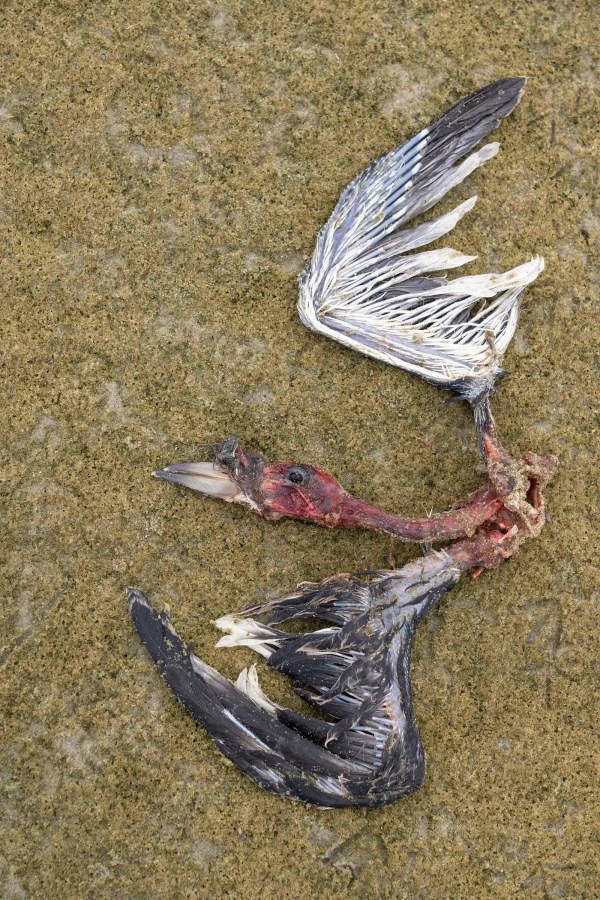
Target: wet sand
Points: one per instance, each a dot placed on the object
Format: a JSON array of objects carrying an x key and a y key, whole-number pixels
[{"x": 163, "y": 177}]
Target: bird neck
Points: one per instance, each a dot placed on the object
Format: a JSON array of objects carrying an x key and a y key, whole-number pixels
[{"x": 461, "y": 521}]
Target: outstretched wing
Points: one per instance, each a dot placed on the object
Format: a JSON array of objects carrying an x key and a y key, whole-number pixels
[
  {"x": 362, "y": 290},
  {"x": 356, "y": 672}
]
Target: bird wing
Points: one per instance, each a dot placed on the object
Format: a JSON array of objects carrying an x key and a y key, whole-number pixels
[
  {"x": 358, "y": 673},
  {"x": 361, "y": 289},
  {"x": 273, "y": 755}
]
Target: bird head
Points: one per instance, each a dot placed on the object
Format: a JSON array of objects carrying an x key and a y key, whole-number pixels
[{"x": 296, "y": 490}]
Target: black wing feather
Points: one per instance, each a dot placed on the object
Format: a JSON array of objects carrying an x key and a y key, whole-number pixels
[{"x": 359, "y": 673}]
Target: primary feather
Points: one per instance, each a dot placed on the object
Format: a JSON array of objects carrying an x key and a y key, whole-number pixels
[{"x": 361, "y": 289}]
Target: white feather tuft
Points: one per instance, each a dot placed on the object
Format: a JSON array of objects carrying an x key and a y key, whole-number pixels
[
  {"x": 248, "y": 633},
  {"x": 247, "y": 682}
]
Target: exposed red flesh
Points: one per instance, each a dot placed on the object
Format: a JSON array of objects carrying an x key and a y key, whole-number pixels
[
  {"x": 520, "y": 483},
  {"x": 324, "y": 501},
  {"x": 461, "y": 521}
]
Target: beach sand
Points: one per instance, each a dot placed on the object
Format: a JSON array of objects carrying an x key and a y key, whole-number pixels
[{"x": 164, "y": 173}]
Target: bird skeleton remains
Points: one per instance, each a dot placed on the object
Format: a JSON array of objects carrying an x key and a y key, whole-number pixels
[{"x": 361, "y": 289}]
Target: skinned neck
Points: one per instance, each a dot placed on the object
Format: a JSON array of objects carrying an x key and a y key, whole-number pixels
[{"x": 459, "y": 522}]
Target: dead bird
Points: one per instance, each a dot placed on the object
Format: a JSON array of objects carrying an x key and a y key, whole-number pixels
[
  {"x": 362, "y": 291},
  {"x": 357, "y": 671}
]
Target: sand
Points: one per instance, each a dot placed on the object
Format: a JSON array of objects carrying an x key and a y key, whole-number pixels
[{"x": 164, "y": 171}]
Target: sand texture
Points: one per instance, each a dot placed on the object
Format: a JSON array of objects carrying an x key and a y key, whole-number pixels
[{"x": 164, "y": 172}]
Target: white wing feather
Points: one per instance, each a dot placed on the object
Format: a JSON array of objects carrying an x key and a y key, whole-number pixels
[{"x": 361, "y": 289}]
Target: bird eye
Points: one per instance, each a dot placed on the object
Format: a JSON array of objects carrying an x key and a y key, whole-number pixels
[{"x": 296, "y": 475}]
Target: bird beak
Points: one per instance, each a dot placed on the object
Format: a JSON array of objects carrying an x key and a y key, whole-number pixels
[{"x": 207, "y": 478}]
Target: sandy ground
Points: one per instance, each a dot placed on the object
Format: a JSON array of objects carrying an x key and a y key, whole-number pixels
[{"x": 163, "y": 176}]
